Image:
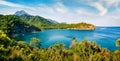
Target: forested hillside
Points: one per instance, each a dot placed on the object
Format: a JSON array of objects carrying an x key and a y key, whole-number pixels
[
  {"x": 36, "y": 21},
  {"x": 44, "y": 23},
  {"x": 13, "y": 26}
]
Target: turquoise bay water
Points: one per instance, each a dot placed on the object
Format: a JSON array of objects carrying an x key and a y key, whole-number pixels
[{"x": 104, "y": 36}]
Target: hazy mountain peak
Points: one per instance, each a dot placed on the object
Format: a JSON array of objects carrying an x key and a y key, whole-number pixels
[{"x": 19, "y": 13}]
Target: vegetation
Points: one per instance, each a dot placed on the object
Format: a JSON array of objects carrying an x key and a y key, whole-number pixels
[
  {"x": 35, "y": 42},
  {"x": 37, "y": 21},
  {"x": 13, "y": 26},
  {"x": 118, "y": 42},
  {"x": 43, "y": 23},
  {"x": 81, "y": 26},
  {"x": 10, "y": 50}
]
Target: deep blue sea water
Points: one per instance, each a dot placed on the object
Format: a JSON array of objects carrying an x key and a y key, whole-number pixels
[{"x": 105, "y": 37}]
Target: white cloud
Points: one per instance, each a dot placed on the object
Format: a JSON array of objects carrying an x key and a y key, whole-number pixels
[
  {"x": 100, "y": 7},
  {"x": 98, "y": 4},
  {"x": 61, "y": 13},
  {"x": 3, "y": 2},
  {"x": 111, "y": 2},
  {"x": 61, "y": 8}
]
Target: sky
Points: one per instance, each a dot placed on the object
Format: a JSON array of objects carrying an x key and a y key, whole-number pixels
[{"x": 97, "y": 12}]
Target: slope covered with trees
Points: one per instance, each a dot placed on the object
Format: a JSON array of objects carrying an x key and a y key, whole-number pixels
[
  {"x": 37, "y": 21},
  {"x": 12, "y": 25},
  {"x": 44, "y": 23}
]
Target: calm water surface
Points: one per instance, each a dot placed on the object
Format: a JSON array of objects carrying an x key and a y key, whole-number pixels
[{"x": 104, "y": 36}]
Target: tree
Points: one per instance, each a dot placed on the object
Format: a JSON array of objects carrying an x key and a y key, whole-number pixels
[
  {"x": 118, "y": 42},
  {"x": 73, "y": 42},
  {"x": 35, "y": 42},
  {"x": 73, "y": 38}
]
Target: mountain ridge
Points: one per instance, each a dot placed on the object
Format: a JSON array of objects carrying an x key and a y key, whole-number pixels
[
  {"x": 44, "y": 23},
  {"x": 21, "y": 12},
  {"x": 25, "y": 16}
]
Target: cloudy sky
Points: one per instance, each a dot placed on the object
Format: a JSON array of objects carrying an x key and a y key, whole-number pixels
[{"x": 97, "y": 12}]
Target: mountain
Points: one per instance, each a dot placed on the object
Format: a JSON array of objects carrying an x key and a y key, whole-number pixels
[
  {"x": 19, "y": 13},
  {"x": 25, "y": 16},
  {"x": 37, "y": 21},
  {"x": 44, "y": 23}
]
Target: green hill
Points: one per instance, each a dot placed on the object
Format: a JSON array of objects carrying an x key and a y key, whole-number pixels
[
  {"x": 36, "y": 21},
  {"x": 13, "y": 25},
  {"x": 81, "y": 26}
]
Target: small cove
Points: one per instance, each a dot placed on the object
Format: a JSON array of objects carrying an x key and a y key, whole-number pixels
[{"x": 105, "y": 37}]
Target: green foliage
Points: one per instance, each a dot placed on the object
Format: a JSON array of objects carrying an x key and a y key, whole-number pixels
[
  {"x": 13, "y": 25},
  {"x": 4, "y": 39},
  {"x": 37, "y": 21},
  {"x": 35, "y": 42},
  {"x": 73, "y": 38},
  {"x": 118, "y": 42},
  {"x": 81, "y": 26}
]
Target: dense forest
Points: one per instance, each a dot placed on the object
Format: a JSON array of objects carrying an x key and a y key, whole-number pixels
[
  {"x": 13, "y": 50},
  {"x": 13, "y": 25}
]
